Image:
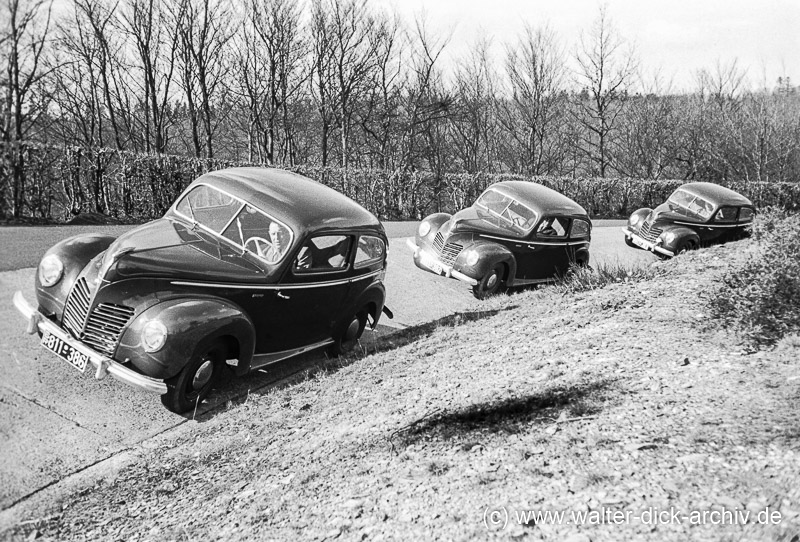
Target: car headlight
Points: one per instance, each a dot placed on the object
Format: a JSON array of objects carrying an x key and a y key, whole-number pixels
[
  {"x": 50, "y": 270},
  {"x": 471, "y": 257},
  {"x": 668, "y": 237},
  {"x": 154, "y": 336},
  {"x": 635, "y": 219},
  {"x": 424, "y": 228}
]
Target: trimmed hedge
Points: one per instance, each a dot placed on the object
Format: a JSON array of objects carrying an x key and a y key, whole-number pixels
[{"x": 59, "y": 183}]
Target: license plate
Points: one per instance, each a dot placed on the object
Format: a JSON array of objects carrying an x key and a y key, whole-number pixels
[
  {"x": 65, "y": 351},
  {"x": 638, "y": 242},
  {"x": 430, "y": 262}
]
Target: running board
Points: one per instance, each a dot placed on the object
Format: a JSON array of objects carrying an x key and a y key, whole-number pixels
[{"x": 260, "y": 360}]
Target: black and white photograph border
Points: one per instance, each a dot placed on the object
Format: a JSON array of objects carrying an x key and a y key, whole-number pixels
[{"x": 639, "y": 396}]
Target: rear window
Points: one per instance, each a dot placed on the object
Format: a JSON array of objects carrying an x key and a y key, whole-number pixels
[
  {"x": 370, "y": 250},
  {"x": 580, "y": 228}
]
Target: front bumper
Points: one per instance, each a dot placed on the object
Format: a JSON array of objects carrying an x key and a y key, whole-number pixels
[
  {"x": 103, "y": 364},
  {"x": 645, "y": 244},
  {"x": 432, "y": 263}
]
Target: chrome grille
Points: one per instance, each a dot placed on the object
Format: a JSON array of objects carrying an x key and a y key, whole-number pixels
[
  {"x": 438, "y": 242},
  {"x": 76, "y": 308},
  {"x": 103, "y": 327},
  {"x": 450, "y": 252},
  {"x": 650, "y": 233},
  {"x": 447, "y": 252}
]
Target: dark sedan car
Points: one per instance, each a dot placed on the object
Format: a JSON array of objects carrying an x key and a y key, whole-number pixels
[
  {"x": 695, "y": 214},
  {"x": 250, "y": 266},
  {"x": 517, "y": 233}
]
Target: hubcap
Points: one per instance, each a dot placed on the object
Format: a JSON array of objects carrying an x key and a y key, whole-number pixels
[
  {"x": 492, "y": 281},
  {"x": 203, "y": 374},
  {"x": 352, "y": 329}
]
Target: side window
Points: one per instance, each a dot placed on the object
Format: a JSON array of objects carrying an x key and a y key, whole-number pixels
[
  {"x": 370, "y": 250},
  {"x": 580, "y": 229},
  {"x": 726, "y": 214},
  {"x": 323, "y": 253},
  {"x": 746, "y": 214},
  {"x": 553, "y": 227}
]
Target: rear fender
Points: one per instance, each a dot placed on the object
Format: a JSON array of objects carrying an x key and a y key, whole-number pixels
[{"x": 189, "y": 322}]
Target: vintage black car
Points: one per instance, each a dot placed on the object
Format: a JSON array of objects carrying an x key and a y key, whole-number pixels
[
  {"x": 250, "y": 266},
  {"x": 517, "y": 233},
  {"x": 694, "y": 215}
]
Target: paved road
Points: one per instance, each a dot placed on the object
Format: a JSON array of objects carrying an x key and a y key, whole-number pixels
[{"x": 55, "y": 422}]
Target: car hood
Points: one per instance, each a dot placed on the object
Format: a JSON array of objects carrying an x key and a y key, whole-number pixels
[
  {"x": 667, "y": 213},
  {"x": 475, "y": 220},
  {"x": 169, "y": 248}
]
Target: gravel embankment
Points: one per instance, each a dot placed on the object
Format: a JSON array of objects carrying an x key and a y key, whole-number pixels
[{"x": 620, "y": 402}]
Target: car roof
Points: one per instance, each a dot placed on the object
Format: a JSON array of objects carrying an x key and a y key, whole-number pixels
[
  {"x": 716, "y": 194},
  {"x": 300, "y": 202},
  {"x": 543, "y": 200}
]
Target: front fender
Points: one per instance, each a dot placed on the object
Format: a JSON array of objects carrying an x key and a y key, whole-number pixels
[
  {"x": 74, "y": 252},
  {"x": 641, "y": 214},
  {"x": 436, "y": 220},
  {"x": 489, "y": 254},
  {"x": 188, "y": 322},
  {"x": 681, "y": 234}
]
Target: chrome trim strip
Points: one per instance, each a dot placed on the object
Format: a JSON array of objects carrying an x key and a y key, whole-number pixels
[
  {"x": 539, "y": 243},
  {"x": 103, "y": 364},
  {"x": 261, "y": 360},
  {"x": 299, "y": 286},
  {"x": 696, "y": 225}
]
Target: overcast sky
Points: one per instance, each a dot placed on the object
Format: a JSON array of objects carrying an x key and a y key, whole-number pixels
[{"x": 678, "y": 36}]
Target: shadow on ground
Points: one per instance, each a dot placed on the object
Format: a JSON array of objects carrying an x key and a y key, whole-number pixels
[{"x": 511, "y": 415}]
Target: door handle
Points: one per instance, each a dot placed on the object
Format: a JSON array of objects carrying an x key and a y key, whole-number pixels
[{"x": 282, "y": 295}]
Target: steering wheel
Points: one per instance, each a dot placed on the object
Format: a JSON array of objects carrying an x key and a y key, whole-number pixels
[{"x": 262, "y": 247}]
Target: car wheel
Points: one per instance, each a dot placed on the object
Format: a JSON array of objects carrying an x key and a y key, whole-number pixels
[
  {"x": 685, "y": 246},
  {"x": 490, "y": 284},
  {"x": 348, "y": 335},
  {"x": 193, "y": 384}
]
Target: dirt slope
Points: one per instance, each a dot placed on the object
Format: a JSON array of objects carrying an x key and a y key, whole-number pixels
[{"x": 617, "y": 402}]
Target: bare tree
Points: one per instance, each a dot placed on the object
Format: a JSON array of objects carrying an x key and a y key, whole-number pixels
[
  {"x": 426, "y": 102},
  {"x": 535, "y": 72},
  {"x": 381, "y": 118},
  {"x": 473, "y": 121},
  {"x": 269, "y": 53},
  {"x": 204, "y": 27},
  {"x": 23, "y": 38},
  {"x": 606, "y": 66},
  {"x": 146, "y": 23}
]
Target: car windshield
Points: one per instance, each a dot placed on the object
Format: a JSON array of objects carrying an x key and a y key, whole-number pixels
[
  {"x": 243, "y": 225},
  {"x": 695, "y": 205},
  {"x": 508, "y": 210}
]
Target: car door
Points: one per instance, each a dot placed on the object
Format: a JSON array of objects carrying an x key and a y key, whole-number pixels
[
  {"x": 549, "y": 248},
  {"x": 309, "y": 299}
]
